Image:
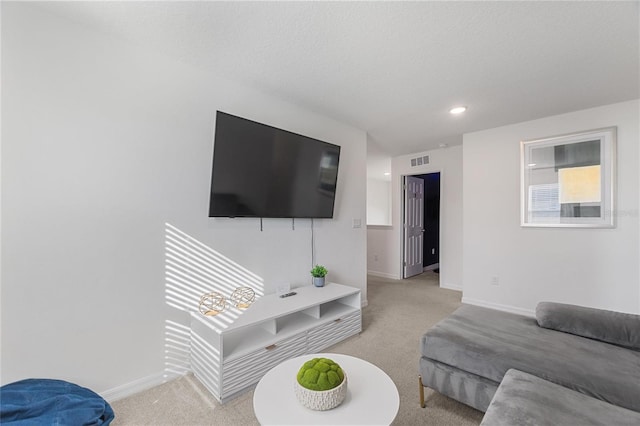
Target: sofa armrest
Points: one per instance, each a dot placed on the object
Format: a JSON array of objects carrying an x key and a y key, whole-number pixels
[{"x": 608, "y": 326}]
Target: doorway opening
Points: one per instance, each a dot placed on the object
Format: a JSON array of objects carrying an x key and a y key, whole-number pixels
[{"x": 421, "y": 216}]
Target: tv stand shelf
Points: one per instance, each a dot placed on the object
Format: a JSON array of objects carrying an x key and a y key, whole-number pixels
[{"x": 228, "y": 359}]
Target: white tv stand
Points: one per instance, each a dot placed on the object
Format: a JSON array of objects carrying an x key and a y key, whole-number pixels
[{"x": 229, "y": 355}]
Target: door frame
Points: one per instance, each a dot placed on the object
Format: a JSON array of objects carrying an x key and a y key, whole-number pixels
[{"x": 402, "y": 215}]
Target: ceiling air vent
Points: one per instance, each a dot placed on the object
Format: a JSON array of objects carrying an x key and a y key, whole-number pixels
[{"x": 419, "y": 161}]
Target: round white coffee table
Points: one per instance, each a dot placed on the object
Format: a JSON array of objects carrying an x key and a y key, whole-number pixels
[{"x": 372, "y": 397}]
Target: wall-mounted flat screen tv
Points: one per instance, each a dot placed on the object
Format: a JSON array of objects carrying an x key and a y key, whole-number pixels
[{"x": 262, "y": 171}]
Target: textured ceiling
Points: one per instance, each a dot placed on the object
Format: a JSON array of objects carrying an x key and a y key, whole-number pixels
[{"x": 394, "y": 69}]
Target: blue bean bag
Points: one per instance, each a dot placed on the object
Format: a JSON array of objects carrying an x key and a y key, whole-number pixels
[{"x": 52, "y": 402}]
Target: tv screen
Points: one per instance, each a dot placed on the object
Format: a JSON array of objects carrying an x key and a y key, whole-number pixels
[{"x": 262, "y": 171}]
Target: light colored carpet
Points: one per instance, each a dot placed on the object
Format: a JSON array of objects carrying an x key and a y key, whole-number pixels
[{"x": 399, "y": 312}]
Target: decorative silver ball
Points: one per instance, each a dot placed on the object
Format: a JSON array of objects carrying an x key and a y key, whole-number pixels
[
  {"x": 243, "y": 297},
  {"x": 212, "y": 304}
]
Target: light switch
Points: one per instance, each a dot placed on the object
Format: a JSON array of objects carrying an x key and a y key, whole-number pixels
[{"x": 357, "y": 223}]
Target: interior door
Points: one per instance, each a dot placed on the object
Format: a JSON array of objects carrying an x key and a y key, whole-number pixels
[
  {"x": 413, "y": 225},
  {"x": 431, "y": 257}
]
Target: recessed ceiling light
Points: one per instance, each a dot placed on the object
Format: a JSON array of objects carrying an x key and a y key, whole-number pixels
[
  {"x": 458, "y": 110},
  {"x": 387, "y": 174}
]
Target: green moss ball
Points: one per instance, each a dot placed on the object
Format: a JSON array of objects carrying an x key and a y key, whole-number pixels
[{"x": 320, "y": 374}]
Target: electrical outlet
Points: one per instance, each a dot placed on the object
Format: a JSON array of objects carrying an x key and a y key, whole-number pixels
[{"x": 495, "y": 280}]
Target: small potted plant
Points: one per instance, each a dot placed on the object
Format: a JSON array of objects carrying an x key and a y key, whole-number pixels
[
  {"x": 318, "y": 273},
  {"x": 321, "y": 384}
]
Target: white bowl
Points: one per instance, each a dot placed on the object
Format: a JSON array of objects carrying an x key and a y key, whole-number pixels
[{"x": 321, "y": 400}]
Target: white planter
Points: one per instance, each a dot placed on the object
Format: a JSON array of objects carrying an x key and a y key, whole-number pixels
[{"x": 321, "y": 400}]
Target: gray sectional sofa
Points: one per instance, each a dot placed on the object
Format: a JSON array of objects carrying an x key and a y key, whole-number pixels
[{"x": 591, "y": 352}]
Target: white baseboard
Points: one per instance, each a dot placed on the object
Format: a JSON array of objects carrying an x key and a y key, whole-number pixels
[
  {"x": 449, "y": 286},
  {"x": 499, "y": 307},
  {"x": 382, "y": 275},
  {"x": 136, "y": 386}
]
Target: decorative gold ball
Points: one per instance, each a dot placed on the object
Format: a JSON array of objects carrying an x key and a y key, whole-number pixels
[
  {"x": 243, "y": 297},
  {"x": 212, "y": 304}
]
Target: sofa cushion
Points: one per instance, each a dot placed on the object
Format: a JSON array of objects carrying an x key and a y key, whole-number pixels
[
  {"x": 609, "y": 326},
  {"x": 487, "y": 343},
  {"x": 460, "y": 385},
  {"x": 523, "y": 399}
]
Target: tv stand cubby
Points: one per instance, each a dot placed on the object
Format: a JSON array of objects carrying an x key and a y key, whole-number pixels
[{"x": 229, "y": 355}]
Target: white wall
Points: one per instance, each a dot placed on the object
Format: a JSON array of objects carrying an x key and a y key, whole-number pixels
[
  {"x": 380, "y": 257},
  {"x": 448, "y": 162},
  {"x": 378, "y": 202},
  {"x": 591, "y": 267},
  {"x": 378, "y": 226},
  {"x": 103, "y": 145},
  {"x": 379, "y": 211},
  {"x": 378, "y": 184}
]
